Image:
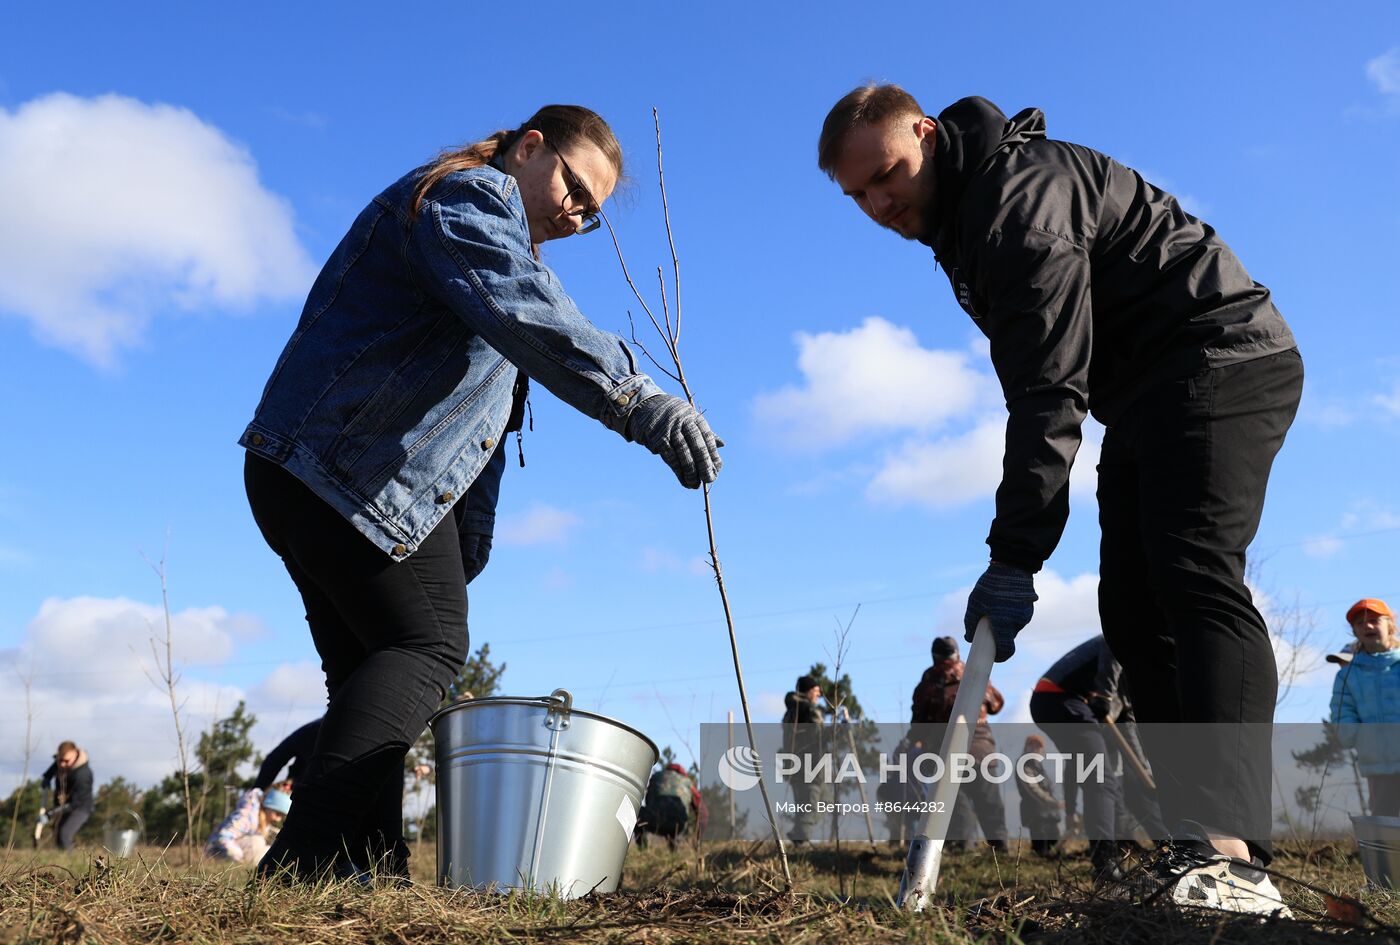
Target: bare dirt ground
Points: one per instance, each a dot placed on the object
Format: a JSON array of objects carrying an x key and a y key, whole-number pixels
[{"x": 714, "y": 893}]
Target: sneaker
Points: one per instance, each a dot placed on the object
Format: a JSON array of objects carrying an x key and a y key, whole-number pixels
[
  {"x": 1107, "y": 861},
  {"x": 1187, "y": 875}
]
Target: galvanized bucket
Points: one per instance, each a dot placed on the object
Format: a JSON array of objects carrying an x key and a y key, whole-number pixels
[
  {"x": 121, "y": 838},
  {"x": 1378, "y": 839},
  {"x": 535, "y": 794}
]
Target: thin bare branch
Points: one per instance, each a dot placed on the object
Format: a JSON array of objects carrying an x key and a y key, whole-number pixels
[
  {"x": 169, "y": 678},
  {"x": 666, "y": 215},
  {"x": 671, "y": 337},
  {"x": 628, "y": 276},
  {"x": 643, "y": 348},
  {"x": 26, "y": 680}
]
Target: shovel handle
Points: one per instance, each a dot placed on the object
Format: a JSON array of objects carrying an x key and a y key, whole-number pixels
[{"x": 926, "y": 849}]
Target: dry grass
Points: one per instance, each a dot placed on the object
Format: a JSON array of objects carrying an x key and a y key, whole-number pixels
[{"x": 719, "y": 894}]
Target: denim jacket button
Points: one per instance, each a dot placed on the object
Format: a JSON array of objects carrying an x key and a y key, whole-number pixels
[
  {"x": 400, "y": 549},
  {"x": 487, "y": 443},
  {"x": 622, "y": 399},
  {"x": 256, "y": 439},
  {"x": 446, "y": 497}
]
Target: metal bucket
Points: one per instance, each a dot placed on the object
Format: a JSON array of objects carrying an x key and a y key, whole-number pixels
[
  {"x": 1379, "y": 841},
  {"x": 535, "y": 794},
  {"x": 120, "y": 839}
]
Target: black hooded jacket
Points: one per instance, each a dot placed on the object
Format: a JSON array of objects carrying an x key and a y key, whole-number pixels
[
  {"x": 73, "y": 785},
  {"x": 1091, "y": 284}
]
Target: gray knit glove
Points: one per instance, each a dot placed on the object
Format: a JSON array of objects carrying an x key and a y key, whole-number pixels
[
  {"x": 675, "y": 431},
  {"x": 1006, "y": 596}
]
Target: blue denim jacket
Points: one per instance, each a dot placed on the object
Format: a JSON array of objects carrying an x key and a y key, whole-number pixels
[{"x": 394, "y": 390}]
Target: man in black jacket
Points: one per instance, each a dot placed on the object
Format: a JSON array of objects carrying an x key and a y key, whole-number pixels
[
  {"x": 1100, "y": 294},
  {"x": 70, "y": 778},
  {"x": 802, "y": 736}
]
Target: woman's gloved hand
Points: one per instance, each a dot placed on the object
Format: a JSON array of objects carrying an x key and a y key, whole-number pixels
[{"x": 675, "y": 431}]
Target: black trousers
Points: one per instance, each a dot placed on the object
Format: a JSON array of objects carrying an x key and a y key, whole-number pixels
[
  {"x": 391, "y": 636},
  {"x": 1182, "y": 480},
  {"x": 1071, "y": 725}
]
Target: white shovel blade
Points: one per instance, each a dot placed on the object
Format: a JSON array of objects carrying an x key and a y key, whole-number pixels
[{"x": 926, "y": 849}]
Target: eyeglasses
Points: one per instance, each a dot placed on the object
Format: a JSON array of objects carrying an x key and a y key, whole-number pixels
[{"x": 578, "y": 197}]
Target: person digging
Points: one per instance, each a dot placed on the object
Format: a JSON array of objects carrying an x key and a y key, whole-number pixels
[{"x": 1099, "y": 293}]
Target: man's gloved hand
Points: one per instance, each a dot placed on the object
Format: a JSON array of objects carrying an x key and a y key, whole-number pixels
[
  {"x": 1103, "y": 706},
  {"x": 675, "y": 431},
  {"x": 1006, "y": 596}
]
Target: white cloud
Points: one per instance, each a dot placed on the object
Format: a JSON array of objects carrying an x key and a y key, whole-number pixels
[
  {"x": 656, "y": 560},
  {"x": 541, "y": 524},
  {"x": 1390, "y": 402},
  {"x": 290, "y": 685},
  {"x": 1384, "y": 71},
  {"x": 90, "y": 665},
  {"x": 1191, "y": 203},
  {"x": 1330, "y": 416},
  {"x": 113, "y": 210},
  {"x": 106, "y": 642},
  {"x": 1363, "y": 517},
  {"x": 956, "y": 470},
  {"x": 1322, "y": 546},
  {"x": 874, "y": 377},
  {"x": 876, "y": 381},
  {"x": 943, "y": 473}
]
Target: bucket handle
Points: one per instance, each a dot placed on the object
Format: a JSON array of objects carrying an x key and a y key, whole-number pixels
[{"x": 557, "y": 719}]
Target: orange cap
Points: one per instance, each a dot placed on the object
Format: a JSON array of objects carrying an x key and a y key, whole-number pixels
[{"x": 1373, "y": 605}]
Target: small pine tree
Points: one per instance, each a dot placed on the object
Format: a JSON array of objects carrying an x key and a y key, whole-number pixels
[
  {"x": 478, "y": 676},
  {"x": 220, "y": 753}
]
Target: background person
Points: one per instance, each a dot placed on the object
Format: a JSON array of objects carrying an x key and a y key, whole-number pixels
[
  {"x": 1097, "y": 291},
  {"x": 672, "y": 806},
  {"x": 374, "y": 458},
  {"x": 804, "y": 736},
  {"x": 70, "y": 780},
  {"x": 242, "y": 837},
  {"x": 1040, "y": 808},
  {"x": 1366, "y": 702},
  {"x": 933, "y": 704},
  {"x": 1061, "y": 708}
]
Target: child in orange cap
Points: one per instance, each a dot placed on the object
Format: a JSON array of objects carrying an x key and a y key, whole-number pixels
[{"x": 1366, "y": 702}]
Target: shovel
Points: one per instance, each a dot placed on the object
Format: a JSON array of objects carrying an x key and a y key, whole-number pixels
[{"x": 926, "y": 849}]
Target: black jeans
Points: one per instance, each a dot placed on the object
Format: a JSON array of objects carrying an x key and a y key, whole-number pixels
[
  {"x": 1181, "y": 488},
  {"x": 391, "y": 636}
]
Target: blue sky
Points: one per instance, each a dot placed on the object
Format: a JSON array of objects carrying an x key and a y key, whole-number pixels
[{"x": 171, "y": 177}]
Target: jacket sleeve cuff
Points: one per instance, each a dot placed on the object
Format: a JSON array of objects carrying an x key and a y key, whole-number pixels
[
  {"x": 623, "y": 398},
  {"x": 1002, "y": 554}
]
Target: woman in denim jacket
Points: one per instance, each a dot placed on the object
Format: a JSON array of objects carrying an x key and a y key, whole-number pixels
[
  {"x": 374, "y": 458},
  {"x": 1366, "y": 702}
]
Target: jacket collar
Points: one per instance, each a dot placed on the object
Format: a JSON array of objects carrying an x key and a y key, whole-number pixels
[{"x": 969, "y": 132}]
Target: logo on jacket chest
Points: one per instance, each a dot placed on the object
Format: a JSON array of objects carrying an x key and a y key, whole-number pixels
[{"x": 963, "y": 292}]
